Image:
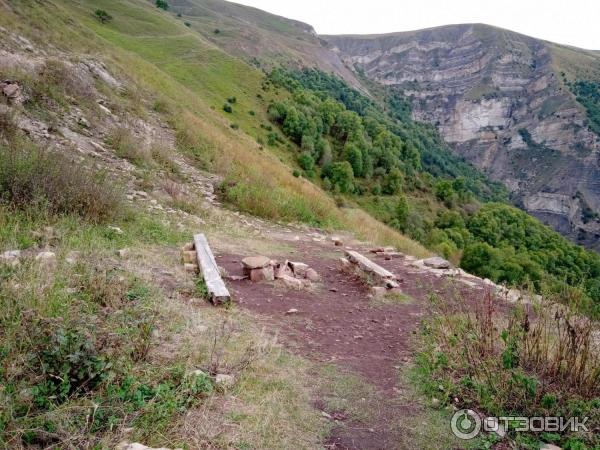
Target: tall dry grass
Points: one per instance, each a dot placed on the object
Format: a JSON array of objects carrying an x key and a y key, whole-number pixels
[
  {"x": 32, "y": 177},
  {"x": 517, "y": 360}
]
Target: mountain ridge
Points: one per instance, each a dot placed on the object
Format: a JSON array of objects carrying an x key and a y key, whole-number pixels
[{"x": 485, "y": 88}]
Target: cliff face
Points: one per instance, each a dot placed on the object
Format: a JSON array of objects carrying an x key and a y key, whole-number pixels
[{"x": 500, "y": 99}]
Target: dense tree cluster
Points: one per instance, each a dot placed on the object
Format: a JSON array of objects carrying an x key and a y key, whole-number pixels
[
  {"x": 588, "y": 94},
  {"x": 334, "y": 123},
  {"x": 505, "y": 244},
  {"x": 376, "y": 153}
]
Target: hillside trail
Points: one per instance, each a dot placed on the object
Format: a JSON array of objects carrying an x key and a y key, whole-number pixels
[{"x": 339, "y": 324}]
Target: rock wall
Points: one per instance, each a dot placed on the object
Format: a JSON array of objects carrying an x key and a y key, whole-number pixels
[{"x": 499, "y": 101}]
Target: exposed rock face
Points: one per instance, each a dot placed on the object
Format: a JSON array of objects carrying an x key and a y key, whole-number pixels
[{"x": 499, "y": 99}]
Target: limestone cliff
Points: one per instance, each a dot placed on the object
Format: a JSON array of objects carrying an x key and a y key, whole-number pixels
[{"x": 501, "y": 100}]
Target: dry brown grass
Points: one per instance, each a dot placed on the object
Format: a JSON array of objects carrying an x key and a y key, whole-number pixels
[
  {"x": 126, "y": 146},
  {"x": 526, "y": 361},
  {"x": 370, "y": 229},
  {"x": 30, "y": 176}
]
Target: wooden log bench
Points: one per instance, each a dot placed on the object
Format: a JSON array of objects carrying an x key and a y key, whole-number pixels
[
  {"x": 373, "y": 269},
  {"x": 209, "y": 269}
]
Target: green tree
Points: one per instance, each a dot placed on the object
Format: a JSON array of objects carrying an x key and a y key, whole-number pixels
[
  {"x": 355, "y": 157},
  {"x": 445, "y": 192},
  {"x": 341, "y": 176},
  {"x": 393, "y": 181},
  {"x": 162, "y": 4},
  {"x": 306, "y": 161},
  {"x": 401, "y": 213}
]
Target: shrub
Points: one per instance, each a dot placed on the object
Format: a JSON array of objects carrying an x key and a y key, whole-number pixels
[
  {"x": 8, "y": 127},
  {"x": 234, "y": 126},
  {"x": 31, "y": 176},
  {"x": 216, "y": 31},
  {"x": 273, "y": 138},
  {"x": 103, "y": 16},
  {"x": 444, "y": 191},
  {"x": 123, "y": 143},
  {"x": 70, "y": 362},
  {"x": 232, "y": 100},
  {"x": 162, "y": 156},
  {"x": 54, "y": 82},
  {"x": 393, "y": 182},
  {"x": 227, "y": 108},
  {"x": 341, "y": 176},
  {"x": 517, "y": 362},
  {"x": 306, "y": 161},
  {"x": 162, "y": 4}
]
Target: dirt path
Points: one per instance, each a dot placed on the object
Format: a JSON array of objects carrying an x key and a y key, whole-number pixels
[{"x": 337, "y": 322}]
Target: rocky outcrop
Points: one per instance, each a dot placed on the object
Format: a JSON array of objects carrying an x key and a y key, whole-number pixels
[{"x": 499, "y": 99}]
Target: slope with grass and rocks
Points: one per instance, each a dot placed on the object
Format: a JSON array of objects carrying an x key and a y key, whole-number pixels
[{"x": 115, "y": 148}]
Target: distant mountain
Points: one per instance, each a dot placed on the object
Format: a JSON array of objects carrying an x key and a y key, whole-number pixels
[{"x": 525, "y": 111}]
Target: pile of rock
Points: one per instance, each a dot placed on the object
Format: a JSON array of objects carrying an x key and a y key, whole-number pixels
[
  {"x": 387, "y": 252},
  {"x": 12, "y": 91},
  {"x": 293, "y": 274},
  {"x": 190, "y": 259},
  {"x": 13, "y": 257}
]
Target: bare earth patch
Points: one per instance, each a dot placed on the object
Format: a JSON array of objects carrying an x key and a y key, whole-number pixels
[{"x": 368, "y": 343}]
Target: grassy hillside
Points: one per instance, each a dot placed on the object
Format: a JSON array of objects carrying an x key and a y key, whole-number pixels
[
  {"x": 102, "y": 331},
  {"x": 198, "y": 82},
  {"x": 195, "y": 78},
  {"x": 265, "y": 40},
  {"x": 88, "y": 370}
]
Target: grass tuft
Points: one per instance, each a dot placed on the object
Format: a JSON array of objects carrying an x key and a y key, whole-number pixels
[{"x": 32, "y": 176}]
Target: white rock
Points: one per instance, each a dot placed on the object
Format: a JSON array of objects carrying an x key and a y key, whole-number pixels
[
  {"x": 550, "y": 447},
  {"x": 115, "y": 229},
  {"x": 138, "y": 446},
  {"x": 291, "y": 311},
  {"x": 189, "y": 256},
  {"x": 255, "y": 262},
  {"x": 224, "y": 380},
  {"x": 312, "y": 275},
  {"x": 378, "y": 291},
  {"x": 291, "y": 282},
  {"x": 46, "y": 257},
  {"x": 10, "y": 257},
  {"x": 298, "y": 268},
  {"x": 337, "y": 241},
  {"x": 191, "y": 268},
  {"x": 437, "y": 263}
]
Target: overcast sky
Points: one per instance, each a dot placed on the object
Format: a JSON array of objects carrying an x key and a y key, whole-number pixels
[{"x": 573, "y": 22}]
